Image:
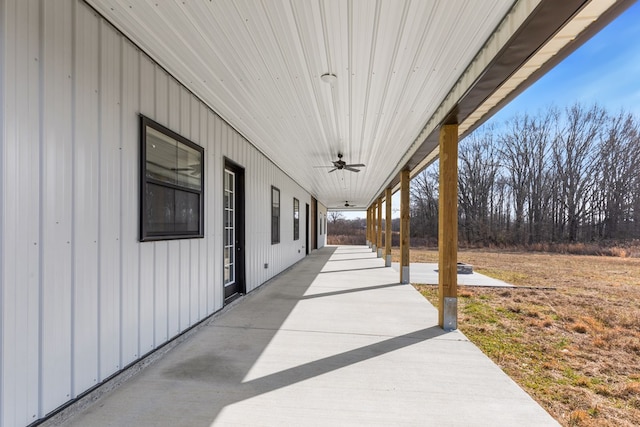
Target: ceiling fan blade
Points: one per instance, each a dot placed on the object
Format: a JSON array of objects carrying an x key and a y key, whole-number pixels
[
  {"x": 334, "y": 169},
  {"x": 359, "y": 165},
  {"x": 351, "y": 169}
]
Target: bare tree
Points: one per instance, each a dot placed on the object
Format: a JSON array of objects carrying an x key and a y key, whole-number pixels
[
  {"x": 619, "y": 161},
  {"x": 476, "y": 180},
  {"x": 334, "y": 217},
  {"x": 516, "y": 154},
  {"x": 575, "y": 160},
  {"x": 553, "y": 176},
  {"x": 424, "y": 203}
]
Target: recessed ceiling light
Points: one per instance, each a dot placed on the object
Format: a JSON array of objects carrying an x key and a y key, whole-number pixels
[{"x": 329, "y": 78}]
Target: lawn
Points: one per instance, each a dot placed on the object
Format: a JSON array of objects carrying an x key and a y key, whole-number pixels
[{"x": 574, "y": 348}]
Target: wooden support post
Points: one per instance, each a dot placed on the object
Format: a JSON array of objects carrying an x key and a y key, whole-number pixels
[
  {"x": 387, "y": 229},
  {"x": 371, "y": 226},
  {"x": 379, "y": 237},
  {"x": 404, "y": 226},
  {"x": 448, "y": 229},
  {"x": 368, "y": 232},
  {"x": 374, "y": 232}
]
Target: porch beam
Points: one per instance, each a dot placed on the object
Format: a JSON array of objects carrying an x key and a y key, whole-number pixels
[
  {"x": 448, "y": 229},
  {"x": 404, "y": 226},
  {"x": 379, "y": 237},
  {"x": 387, "y": 229}
]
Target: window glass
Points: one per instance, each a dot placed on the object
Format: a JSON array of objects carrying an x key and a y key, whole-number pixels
[
  {"x": 160, "y": 208},
  {"x": 161, "y": 157},
  {"x": 172, "y": 197},
  {"x": 189, "y": 168},
  {"x": 187, "y": 215}
]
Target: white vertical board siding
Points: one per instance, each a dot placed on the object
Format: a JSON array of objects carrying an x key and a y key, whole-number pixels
[
  {"x": 20, "y": 241},
  {"x": 172, "y": 258},
  {"x": 109, "y": 203},
  {"x": 183, "y": 109},
  {"x": 81, "y": 297},
  {"x": 152, "y": 296},
  {"x": 86, "y": 200},
  {"x": 213, "y": 228},
  {"x": 129, "y": 200},
  {"x": 203, "y": 244},
  {"x": 56, "y": 214}
]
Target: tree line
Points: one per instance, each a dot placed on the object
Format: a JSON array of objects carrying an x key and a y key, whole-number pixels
[{"x": 570, "y": 175}]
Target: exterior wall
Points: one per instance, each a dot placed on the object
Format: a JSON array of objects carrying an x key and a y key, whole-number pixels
[{"x": 81, "y": 298}]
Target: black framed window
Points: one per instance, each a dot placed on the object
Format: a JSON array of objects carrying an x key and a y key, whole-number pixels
[
  {"x": 275, "y": 215},
  {"x": 171, "y": 184},
  {"x": 296, "y": 219}
]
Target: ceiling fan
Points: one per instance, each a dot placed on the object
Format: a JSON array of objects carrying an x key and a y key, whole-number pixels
[
  {"x": 341, "y": 164},
  {"x": 348, "y": 205}
]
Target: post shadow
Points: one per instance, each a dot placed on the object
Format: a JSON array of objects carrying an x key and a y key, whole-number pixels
[{"x": 199, "y": 378}]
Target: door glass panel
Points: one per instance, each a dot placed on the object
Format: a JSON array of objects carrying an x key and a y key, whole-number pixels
[{"x": 229, "y": 228}]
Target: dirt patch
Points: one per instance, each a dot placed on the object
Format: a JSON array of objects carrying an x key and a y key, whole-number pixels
[{"x": 575, "y": 349}]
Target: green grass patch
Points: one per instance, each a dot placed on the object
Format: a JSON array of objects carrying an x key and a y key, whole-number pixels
[
  {"x": 562, "y": 343},
  {"x": 499, "y": 330}
]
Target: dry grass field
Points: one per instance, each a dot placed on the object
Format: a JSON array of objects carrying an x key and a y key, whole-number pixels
[{"x": 574, "y": 348}]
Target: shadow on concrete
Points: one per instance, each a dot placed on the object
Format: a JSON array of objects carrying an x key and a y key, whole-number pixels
[
  {"x": 351, "y": 269},
  {"x": 323, "y": 366},
  {"x": 349, "y": 291},
  {"x": 348, "y": 259},
  {"x": 194, "y": 382}
]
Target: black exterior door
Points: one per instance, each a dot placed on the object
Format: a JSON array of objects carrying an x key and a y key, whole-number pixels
[{"x": 233, "y": 233}]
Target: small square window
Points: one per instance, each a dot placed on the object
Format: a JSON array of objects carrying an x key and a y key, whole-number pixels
[
  {"x": 172, "y": 185},
  {"x": 275, "y": 215}
]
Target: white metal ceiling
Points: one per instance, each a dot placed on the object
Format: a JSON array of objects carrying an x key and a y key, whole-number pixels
[{"x": 258, "y": 64}]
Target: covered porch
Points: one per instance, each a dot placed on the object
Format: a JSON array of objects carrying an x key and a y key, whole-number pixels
[
  {"x": 263, "y": 117},
  {"x": 334, "y": 340}
]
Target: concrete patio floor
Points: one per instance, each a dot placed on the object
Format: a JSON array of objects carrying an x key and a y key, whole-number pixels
[
  {"x": 333, "y": 341},
  {"x": 427, "y": 274}
]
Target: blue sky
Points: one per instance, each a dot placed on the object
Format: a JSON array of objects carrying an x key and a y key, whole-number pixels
[{"x": 606, "y": 70}]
